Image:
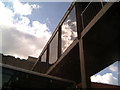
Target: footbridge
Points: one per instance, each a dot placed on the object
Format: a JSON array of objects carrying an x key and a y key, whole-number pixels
[{"x": 85, "y": 42}]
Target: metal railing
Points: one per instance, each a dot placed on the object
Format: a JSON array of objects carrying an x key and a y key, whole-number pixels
[
  {"x": 57, "y": 33},
  {"x": 54, "y": 47},
  {"x": 90, "y": 12}
]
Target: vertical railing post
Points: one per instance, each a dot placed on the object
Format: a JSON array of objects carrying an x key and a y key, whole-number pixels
[
  {"x": 38, "y": 65},
  {"x": 59, "y": 42},
  {"x": 85, "y": 77},
  {"x": 47, "y": 56},
  {"x": 78, "y": 8},
  {"x": 34, "y": 66},
  {"x": 118, "y": 72}
]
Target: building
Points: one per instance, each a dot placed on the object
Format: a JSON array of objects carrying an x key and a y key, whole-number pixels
[{"x": 17, "y": 62}]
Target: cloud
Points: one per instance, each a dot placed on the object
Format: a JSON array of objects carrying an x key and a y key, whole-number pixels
[
  {"x": 23, "y": 9},
  {"x": 19, "y": 37},
  {"x": 6, "y": 15},
  {"x": 69, "y": 33},
  {"x": 35, "y": 6},
  {"x": 107, "y": 78},
  {"x": 69, "y": 30},
  {"x": 36, "y": 29},
  {"x": 21, "y": 44},
  {"x": 114, "y": 67},
  {"x": 48, "y": 20}
]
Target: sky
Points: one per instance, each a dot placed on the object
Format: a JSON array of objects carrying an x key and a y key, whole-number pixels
[
  {"x": 25, "y": 27},
  {"x": 109, "y": 75}
]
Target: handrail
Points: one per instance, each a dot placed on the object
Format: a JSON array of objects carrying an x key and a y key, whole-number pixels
[
  {"x": 86, "y": 7},
  {"x": 86, "y": 16}
]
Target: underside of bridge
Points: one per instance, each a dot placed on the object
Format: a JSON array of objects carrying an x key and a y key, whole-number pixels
[{"x": 100, "y": 44}]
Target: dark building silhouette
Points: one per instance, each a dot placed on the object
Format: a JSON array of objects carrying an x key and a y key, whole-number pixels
[{"x": 17, "y": 62}]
